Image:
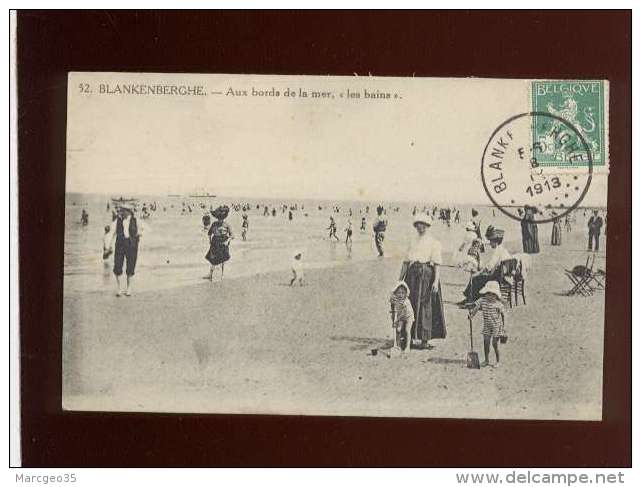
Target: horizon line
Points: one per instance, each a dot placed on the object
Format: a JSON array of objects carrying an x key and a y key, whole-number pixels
[
  {"x": 222, "y": 197},
  {"x": 488, "y": 204}
]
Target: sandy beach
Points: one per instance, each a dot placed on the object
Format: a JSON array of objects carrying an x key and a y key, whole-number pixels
[
  {"x": 299, "y": 169},
  {"x": 254, "y": 345}
]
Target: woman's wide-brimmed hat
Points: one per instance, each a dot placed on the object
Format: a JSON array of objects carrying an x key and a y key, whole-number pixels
[
  {"x": 423, "y": 218},
  {"x": 491, "y": 287},
  {"x": 401, "y": 284},
  {"x": 494, "y": 233},
  {"x": 221, "y": 212}
]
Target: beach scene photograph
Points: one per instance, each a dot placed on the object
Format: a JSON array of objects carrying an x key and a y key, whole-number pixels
[{"x": 325, "y": 245}]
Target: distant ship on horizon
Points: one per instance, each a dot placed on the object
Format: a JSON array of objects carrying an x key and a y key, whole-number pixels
[
  {"x": 201, "y": 194},
  {"x": 194, "y": 194}
]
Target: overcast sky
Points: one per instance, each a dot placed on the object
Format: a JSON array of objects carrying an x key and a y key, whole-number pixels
[{"x": 424, "y": 146}]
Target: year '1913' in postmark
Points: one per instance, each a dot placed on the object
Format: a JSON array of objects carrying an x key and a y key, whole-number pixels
[{"x": 514, "y": 172}]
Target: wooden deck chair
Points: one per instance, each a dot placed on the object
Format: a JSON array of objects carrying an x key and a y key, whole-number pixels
[
  {"x": 507, "y": 279},
  {"x": 519, "y": 284}
]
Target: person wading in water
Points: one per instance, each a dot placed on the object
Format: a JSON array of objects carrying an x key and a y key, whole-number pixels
[
  {"x": 220, "y": 235},
  {"x": 126, "y": 237},
  {"x": 379, "y": 226}
]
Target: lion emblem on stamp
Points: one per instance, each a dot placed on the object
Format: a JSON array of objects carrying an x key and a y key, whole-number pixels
[{"x": 581, "y": 104}]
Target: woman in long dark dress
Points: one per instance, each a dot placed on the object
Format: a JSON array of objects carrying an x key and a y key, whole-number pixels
[
  {"x": 529, "y": 232},
  {"x": 220, "y": 235},
  {"x": 420, "y": 271},
  {"x": 556, "y": 231}
]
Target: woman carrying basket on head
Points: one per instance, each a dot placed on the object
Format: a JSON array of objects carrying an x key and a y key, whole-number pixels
[
  {"x": 420, "y": 271},
  {"x": 220, "y": 235}
]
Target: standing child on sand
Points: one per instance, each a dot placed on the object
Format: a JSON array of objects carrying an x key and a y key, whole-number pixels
[
  {"x": 297, "y": 269},
  {"x": 402, "y": 315},
  {"x": 491, "y": 305}
]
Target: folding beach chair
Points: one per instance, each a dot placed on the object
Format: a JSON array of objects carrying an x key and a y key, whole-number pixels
[
  {"x": 579, "y": 285},
  {"x": 582, "y": 277},
  {"x": 596, "y": 279}
]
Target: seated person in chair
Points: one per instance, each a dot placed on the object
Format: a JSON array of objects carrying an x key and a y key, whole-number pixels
[{"x": 491, "y": 270}]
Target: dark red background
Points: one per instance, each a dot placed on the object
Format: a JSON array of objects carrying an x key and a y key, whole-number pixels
[{"x": 559, "y": 44}]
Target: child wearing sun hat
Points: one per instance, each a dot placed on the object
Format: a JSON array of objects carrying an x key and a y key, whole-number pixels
[
  {"x": 402, "y": 314},
  {"x": 491, "y": 305}
]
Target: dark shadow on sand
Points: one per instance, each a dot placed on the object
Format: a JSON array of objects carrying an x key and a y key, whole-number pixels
[
  {"x": 363, "y": 343},
  {"x": 446, "y": 361}
]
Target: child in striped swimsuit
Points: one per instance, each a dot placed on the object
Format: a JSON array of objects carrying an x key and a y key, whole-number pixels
[{"x": 491, "y": 305}]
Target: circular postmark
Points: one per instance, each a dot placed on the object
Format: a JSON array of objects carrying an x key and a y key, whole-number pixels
[{"x": 539, "y": 161}]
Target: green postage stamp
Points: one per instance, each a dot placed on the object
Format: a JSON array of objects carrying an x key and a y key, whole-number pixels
[{"x": 583, "y": 104}]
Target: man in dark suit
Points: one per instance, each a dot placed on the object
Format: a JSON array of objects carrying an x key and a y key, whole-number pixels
[
  {"x": 594, "y": 230},
  {"x": 126, "y": 237}
]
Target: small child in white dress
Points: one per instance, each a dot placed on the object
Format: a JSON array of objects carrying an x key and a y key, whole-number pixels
[{"x": 297, "y": 269}]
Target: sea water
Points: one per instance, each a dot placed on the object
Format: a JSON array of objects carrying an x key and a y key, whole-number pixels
[{"x": 173, "y": 245}]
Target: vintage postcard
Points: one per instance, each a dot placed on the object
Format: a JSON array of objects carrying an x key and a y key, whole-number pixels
[{"x": 326, "y": 245}]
